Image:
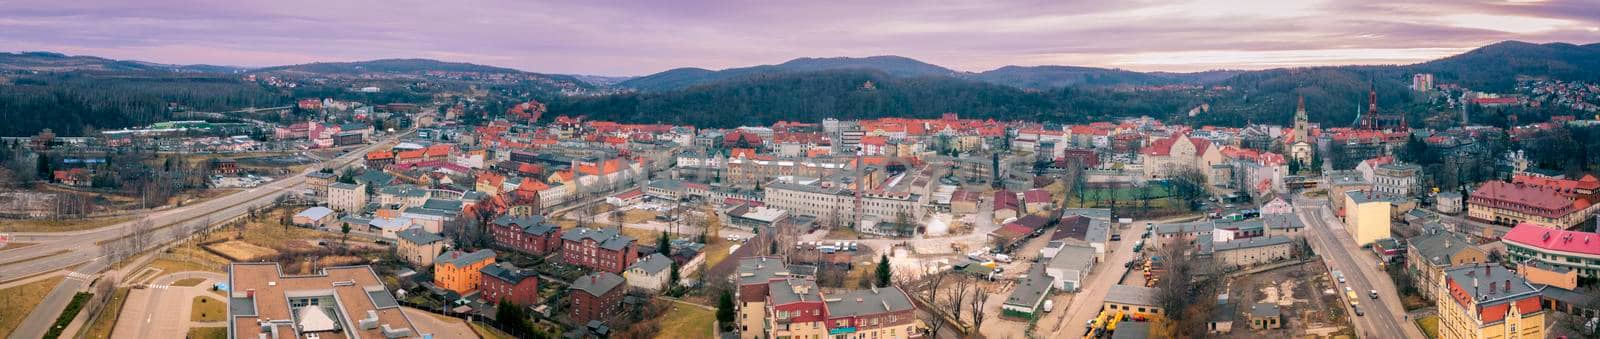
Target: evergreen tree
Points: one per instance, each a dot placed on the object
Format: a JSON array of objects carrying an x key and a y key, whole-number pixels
[
  {"x": 725, "y": 308},
  {"x": 664, "y": 245},
  {"x": 673, "y": 276},
  {"x": 43, "y": 166},
  {"x": 883, "y": 271}
]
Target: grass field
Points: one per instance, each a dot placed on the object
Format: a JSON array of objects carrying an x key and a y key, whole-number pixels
[
  {"x": 243, "y": 251},
  {"x": 1429, "y": 326},
  {"x": 486, "y": 332},
  {"x": 65, "y": 225},
  {"x": 637, "y": 216},
  {"x": 107, "y": 319},
  {"x": 684, "y": 321},
  {"x": 208, "y": 309},
  {"x": 188, "y": 282},
  {"x": 208, "y": 333},
  {"x": 16, "y": 302},
  {"x": 171, "y": 266}
]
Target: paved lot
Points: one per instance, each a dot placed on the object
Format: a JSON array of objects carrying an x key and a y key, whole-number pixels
[{"x": 439, "y": 326}]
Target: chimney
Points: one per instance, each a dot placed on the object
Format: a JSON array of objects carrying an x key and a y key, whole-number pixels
[
  {"x": 1486, "y": 272},
  {"x": 1491, "y": 287},
  {"x": 455, "y": 254},
  {"x": 1507, "y": 286},
  {"x": 593, "y": 278}
]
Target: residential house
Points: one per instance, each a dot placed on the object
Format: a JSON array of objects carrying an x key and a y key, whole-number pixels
[
  {"x": 418, "y": 247},
  {"x": 650, "y": 273},
  {"x": 459, "y": 271},
  {"x": 596, "y": 296},
  {"x": 600, "y": 249},
  {"x": 506, "y": 282}
]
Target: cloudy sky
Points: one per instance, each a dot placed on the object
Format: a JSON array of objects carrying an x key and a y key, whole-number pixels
[{"x": 639, "y": 37}]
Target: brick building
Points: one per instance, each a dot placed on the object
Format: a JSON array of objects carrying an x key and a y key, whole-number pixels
[
  {"x": 531, "y": 234},
  {"x": 596, "y": 296},
  {"x": 504, "y": 281},
  {"x": 601, "y": 249}
]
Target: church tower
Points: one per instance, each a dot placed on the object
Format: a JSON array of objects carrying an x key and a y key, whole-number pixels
[{"x": 1301, "y": 123}]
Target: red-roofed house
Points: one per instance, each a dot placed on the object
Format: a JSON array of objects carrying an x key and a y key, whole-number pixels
[
  {"x": 1005, "y": 205},
  {"x": 1164, "y": 156},
  {"x": 1571, "y": 249},
  {"x": 1505, "y": 203},
  {"x": 1586, "y": 188},
  {"x": 1037, "y": 200}
]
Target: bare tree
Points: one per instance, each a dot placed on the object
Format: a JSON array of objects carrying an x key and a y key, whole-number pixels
[
  {"x": 958, "y": 294},
  {"x": 142, "y": 234},
  {"x": 979, "y": 295}
]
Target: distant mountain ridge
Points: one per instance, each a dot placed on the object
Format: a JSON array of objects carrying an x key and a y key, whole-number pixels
[
  {"x": 58, "y": 62},
  {"x": 413, "y": 65},
  {"x": 679, "y": 78}
]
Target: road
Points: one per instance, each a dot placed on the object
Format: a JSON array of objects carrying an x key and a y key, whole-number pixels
[
  {"x": 1360, "y": 268},
  {"x": 1086, "y": 304},
  {"x": 81, "y": 246}
]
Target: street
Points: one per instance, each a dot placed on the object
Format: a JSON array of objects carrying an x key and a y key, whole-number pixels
[
  {"x": 81, "y": 247},
  {"x": 1329, "y": 239}
]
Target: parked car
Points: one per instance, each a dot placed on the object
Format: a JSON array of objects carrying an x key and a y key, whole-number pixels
[
  {"x": 1357, "y": 310},
  {"x": 1374, "y": 294}
]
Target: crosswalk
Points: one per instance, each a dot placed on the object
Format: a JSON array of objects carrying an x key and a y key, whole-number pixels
[
  {"x": 160, "y": 286},
  {"x": 79, "y": 276}
]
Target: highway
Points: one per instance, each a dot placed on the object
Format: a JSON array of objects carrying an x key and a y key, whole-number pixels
[
  {"x": 81, "y": 247},
  {"x": 1385, "y": 317}
]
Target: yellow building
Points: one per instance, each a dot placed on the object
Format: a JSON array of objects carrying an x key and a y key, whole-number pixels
[
  {"x": 1366, "y": 216},
  {"x": 458, "y": 271},
  {"x": 1489, "y": 301}
]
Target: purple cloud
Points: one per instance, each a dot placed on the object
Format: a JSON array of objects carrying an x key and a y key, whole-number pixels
[{"x": 640, "y": 37}]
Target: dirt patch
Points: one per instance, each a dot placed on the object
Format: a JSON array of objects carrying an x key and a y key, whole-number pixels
[{"x": 236, "y": 250}]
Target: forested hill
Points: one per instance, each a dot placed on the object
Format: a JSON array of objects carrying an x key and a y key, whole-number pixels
[
  {"x": 387, "y": 66},
  {"x": 57, "y": 62},
  {"x": 680, "y": 78},
  {"x": 855, "y": 93}
]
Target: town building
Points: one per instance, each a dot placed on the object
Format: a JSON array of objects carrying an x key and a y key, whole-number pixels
[
  {"x": 1252, "y": 251},
  {"x": 314, "y": 217},
  {"x": 601, "y": 249},
  {"x": 531, "y": 234},
  {"x": 336, "y": 302},
  {"x": 1163, "y": 157},
  {"x": 1435, "y": 251},
  {"x": 418, "y": 246},
  {"x": 1265, "y": 316},
  {"x": 458, "y": 271},
  {"x": 753, "y": 278},
  {"x": 1397, "y": 179},
  {"x": 773, "y": 303},
  {"x": 1070, "y": 265},
  {"x": 506, "y": 282},
  {"x": 1138, "y": 301},
  {"x": 652, "y": 273},
  {"x": 1367, "y": 216},
  {"x": 1504, "y": 203},
  {"x": 1579, "y": 251},
  {"x": 1027, "y": 298},
  {"x": 347, "y": 198},
  {"x": 596, "y": 296},
  {"x": 1489, "y": 301}
]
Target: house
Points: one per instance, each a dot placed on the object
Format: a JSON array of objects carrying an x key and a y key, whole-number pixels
[
  {"x": 1070, "y": 266},
  {"x": 1037, "y": 201},
  {"x": 314, "y": 217},
  {"x": 964, "y": 202},
  {"x": 506, "y": 282},
  {"x": 1430, "y": 254},
  {"x": 1006, "y": 205},
  {"x": 1265, "y": 316},
  {"x": 601, "y": 249},
  {"x": 347, "y": 198},
  {"x": 418, "y": 247},
  {"x": 319, "y": 182},
  {"x": 458, "y": 271},
  {"x": 650, "y": 273},
  {"x": 1138, "y": 301},
  {"x": 596, "y": 296},
  {"x": 335, "y": 302},
  {"x": 1027, "y": 300},
  {"x": 529, "y": 234}
]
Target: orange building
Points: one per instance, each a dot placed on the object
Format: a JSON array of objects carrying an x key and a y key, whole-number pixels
[{"x": 458, "y": 271}]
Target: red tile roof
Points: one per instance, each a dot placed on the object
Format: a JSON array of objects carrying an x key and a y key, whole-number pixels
[
  {"x": 1587, "y": 183},
  {"x": 1524, "y": 198},
  {"x": 1554, "y": 239}
]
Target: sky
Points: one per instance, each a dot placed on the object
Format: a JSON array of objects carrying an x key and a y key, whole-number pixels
[{"x": 620, "y": 38}]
